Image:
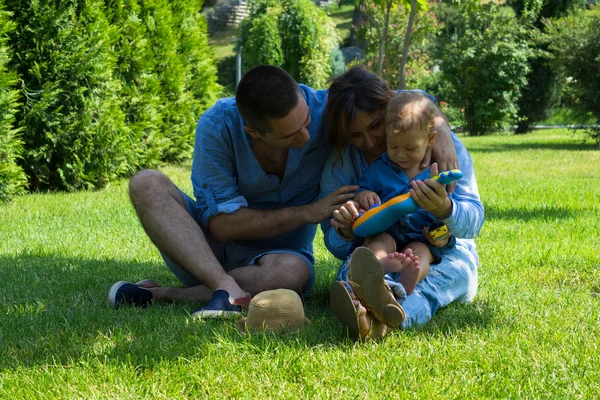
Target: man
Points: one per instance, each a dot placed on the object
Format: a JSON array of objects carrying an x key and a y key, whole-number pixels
[{"x": 256, "y": 172}]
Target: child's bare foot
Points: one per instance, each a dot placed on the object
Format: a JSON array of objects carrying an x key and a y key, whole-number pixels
[
  {"x": 410, "y": 272},
  {"x": 398, "y": 262}
]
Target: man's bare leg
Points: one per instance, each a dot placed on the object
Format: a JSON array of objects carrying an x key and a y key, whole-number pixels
[
  {"x": 161, "y": 210},
  {"x": 271, "y": 271}
]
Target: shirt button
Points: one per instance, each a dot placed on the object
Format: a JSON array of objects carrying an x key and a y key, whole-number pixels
[
  {"x": 204, "y": 186},
  {"x": 282, "y": 187}
]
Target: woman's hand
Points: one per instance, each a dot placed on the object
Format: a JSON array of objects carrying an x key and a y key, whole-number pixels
[
  {"x": 442, "y": 150},
  {"x": 431, "y": 196}
]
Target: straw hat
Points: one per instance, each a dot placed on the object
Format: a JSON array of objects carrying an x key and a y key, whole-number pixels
[{"x": 273, "y": 310}]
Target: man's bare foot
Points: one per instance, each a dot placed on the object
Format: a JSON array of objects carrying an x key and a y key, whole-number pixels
[{"x": 147, "y": 284}]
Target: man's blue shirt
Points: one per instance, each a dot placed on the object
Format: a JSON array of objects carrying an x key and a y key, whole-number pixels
[{"x": 227, "y": 176}]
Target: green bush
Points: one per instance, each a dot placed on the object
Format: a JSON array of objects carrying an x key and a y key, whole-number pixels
[
  {"x": 141, "y": 93},
  {"x": 108, "y": 86},
  {"x": 575, "y": 40},
  {"x": 226, "y": 73},
  {"x": 12, "y": 177},
  {"x": 483, "y": 55},
  {"x": 293, "y": 34},
  {"x": 73, "y": 125},
  {"x": 199, "y": 88}
]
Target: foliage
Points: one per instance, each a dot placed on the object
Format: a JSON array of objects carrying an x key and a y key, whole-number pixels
[
  {"x": 483, "y": 55},
  {"x": 544, "y": 85},
  {"x": 418, "y": 63},
  {"x": 199, "y": 89},
  {"x": 73, "y": 124},
  {"x": 294, "y": 35},
  {"x": 141, "y": 91},
  {"x": 12, "y": 177},
  {"x": 108, "y": 86},
  {"x": 435, "y": 84},
  {"x": 576, "y": 43},
  {"x": 226, "y": 74},
  {"x": 338, "y": 66}
]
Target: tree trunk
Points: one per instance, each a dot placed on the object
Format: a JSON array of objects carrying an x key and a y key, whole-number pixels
[
  {"x": 411, "y": 19},
  {"x": 522, "y": 127},
  {"x": 386, "y": 26}
]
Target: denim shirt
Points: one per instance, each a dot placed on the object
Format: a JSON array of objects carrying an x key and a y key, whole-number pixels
[
  {"x": 467, "y": 215},
  {"x": 227, "y": 176}
]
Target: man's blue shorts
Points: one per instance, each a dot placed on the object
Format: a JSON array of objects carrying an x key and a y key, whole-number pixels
[{"x": 230, "y": 255}]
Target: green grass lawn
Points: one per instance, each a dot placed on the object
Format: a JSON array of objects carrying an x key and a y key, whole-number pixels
[{"x": 532, "y": 331}]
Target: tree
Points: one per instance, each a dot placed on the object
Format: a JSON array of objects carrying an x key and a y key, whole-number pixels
[
  {"x": 483, "y": 55},
  {"x": 416, "y": 62},
  {"x": 575, "y": 40},
  {"x": 382, "y": 28},
  {"x": 544, "y": 85},
  {"x": 12, "y": 177}
]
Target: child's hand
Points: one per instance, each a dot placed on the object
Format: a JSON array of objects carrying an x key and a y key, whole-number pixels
[
  {"x": 431, "y": 196},
  {"x": 367, "y": 199},
  {"x": 437, "y": 243},
  {"x": 345, "y": 215}
]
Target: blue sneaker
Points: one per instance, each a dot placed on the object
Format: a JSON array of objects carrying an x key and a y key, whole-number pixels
[
  {"x": 220, "y": 306},
  {"x": 124, "y": 292}
]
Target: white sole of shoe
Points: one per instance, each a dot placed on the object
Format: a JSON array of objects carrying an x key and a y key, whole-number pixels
[
  {"x": 215, "y": 314},
  {"x": 112, "y": 293}
]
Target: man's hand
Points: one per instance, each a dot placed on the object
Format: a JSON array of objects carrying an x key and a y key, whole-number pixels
[
  {"x": 319, "y": 211},
  {"x": 367, "y": 199},
  {"x": 431, "y": 196}
]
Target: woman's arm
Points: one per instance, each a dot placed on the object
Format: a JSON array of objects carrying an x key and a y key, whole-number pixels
[
  {"x": 337, "y": 173},
  {"x": 467, "y": 215}
]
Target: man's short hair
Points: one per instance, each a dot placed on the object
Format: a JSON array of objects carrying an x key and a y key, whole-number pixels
[{"x": 266, "y": 92}]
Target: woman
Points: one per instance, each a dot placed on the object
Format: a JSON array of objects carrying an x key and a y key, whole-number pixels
[{"x": 355, "y": 110}]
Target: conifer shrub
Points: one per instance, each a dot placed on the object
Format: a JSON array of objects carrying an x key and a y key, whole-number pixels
[
  {"x": 73, "y": 126},
  {"x": 12, "y": 177},
  {"x": 107, "y": 87},
  {"x": 295, "y": 35}
]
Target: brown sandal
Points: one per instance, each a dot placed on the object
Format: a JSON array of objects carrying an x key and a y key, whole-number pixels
[
  {"x": 344, "y": 309},
  {"x": 366, "y": 277}
]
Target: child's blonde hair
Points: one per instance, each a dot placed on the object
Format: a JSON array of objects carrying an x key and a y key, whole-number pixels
[{"x": 409, "y": 111}]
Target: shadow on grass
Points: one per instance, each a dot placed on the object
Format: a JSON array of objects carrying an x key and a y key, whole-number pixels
[
  {"x": 551, "y": 146},
  {"x": 54, "y": 311},
  {"x": 528, "y": 214}
]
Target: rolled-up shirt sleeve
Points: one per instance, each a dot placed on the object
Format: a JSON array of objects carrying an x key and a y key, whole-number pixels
[
  {"x": 467, "y": 215},
  {"x": 213, "y": 170}
]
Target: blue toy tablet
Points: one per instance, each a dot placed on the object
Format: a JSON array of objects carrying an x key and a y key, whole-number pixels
[{"x": 380, "y": 218}]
